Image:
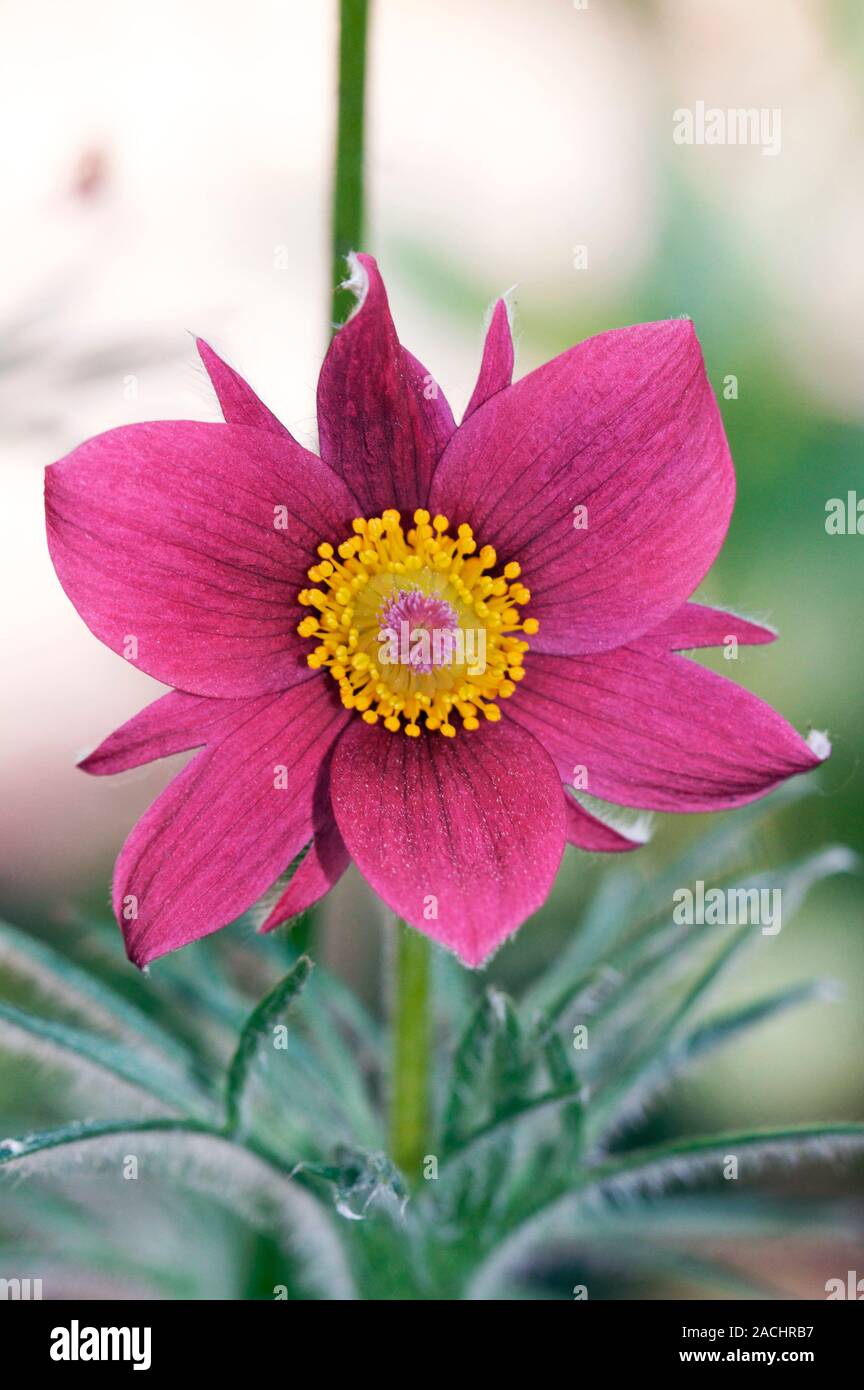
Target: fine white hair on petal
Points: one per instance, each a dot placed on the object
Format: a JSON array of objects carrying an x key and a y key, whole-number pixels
[
  {"x": 510, "y": 309},
  {"x": 357, "y": 281},
  {"x": 819, "y": 742},
  {"x": 747, "y": 618},
  {"x": 508, "y": 305}
]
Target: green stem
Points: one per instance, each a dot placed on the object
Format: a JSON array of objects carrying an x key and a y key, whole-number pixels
[
  {"x": 409, "y": 1116},
  {"x": 347, "y": 223}
]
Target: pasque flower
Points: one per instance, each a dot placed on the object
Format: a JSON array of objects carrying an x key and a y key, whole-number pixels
[{"x": 559, "y": 530}]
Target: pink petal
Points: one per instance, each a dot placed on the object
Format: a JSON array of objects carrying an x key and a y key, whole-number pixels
[
  {"x": 321, "y": 868},
  {"x": 229, "y": 824},
  {"x": 496, "y": 367},
  {"x": 695, "y": 625},
  {"x": 174, "y": 723},
  {"x": 383, "y": 421},
  {"x": 168, "y": 540},
  {"x": 626, "y": 425},
  {"x": 587, "y": 832},
  {"x": 441, "y": 826},
  {"x": 655, "y": 730},
  {"x": 238, "y": 402}
]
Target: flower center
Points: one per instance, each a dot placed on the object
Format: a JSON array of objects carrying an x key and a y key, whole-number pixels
[
  {"x": 413, "y": 625},
  {"x": 419, "y": 628}
]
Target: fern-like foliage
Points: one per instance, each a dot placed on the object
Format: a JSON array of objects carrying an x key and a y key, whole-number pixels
[{"x": 239, "y": 1151}]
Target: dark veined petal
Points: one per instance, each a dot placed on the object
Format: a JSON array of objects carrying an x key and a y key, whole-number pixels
[
  {"x": 626, "y": 427},
  {"x": 238, "y": 402},
  {"x": 174, "y": 723},
  {"x": 496, "y": 366},
  {"x": 383, "y": 420},
  {"x": 654, "y": 730},
  {"x": 444, "y": 831},
  {"x": 229, "y": 824},
  {"x": 183, "y": 546}
]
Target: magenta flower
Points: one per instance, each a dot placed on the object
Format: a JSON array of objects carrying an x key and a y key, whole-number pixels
[{"x": 538, "y": 558}]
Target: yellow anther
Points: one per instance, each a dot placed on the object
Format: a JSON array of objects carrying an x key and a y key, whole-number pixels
[{"x": 375, "y": 567}]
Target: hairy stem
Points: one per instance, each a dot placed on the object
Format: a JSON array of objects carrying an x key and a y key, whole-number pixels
[{"x": 348, "y": 200}]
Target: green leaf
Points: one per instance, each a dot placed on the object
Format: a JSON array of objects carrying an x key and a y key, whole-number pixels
[
  {"x": 492, "y": 1069},
  {"x": 626, "y": 1179},
  {"x": 511, "y": 1068},
  {"x": 61, "y": 979},
  {"x": 728, "y": 1027},
  {"x": 626, "y": 905},
  {"x": 249, "y": 1184},
  {"x": 646, "y": 964},
  {"x": 504, "y": 1121},
  {"x": 76, "y": 1045},
  {"x": 467, "y": 1071},
  {"x": 676, "y": 1057},
  {"x": 346, "y": 1046},
  {"x": 718, "y": 1215},
  {"x": 257, "y": 1028},
  {"x": 563, "y": 1077},
  {"x": 12, "y": 1150},
  {"x": 604, "y": 921},
  {"x": 624, "y": 1095},
  {"x": 727, "y": 845},
  {"x": 647, "y": 943},
  {"x": 685, "y": 1160}
]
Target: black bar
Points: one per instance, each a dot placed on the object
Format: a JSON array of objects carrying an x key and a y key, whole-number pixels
[{"x": 634, "y": 1336}]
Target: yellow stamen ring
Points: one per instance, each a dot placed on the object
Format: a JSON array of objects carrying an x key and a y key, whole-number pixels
[{"x": 369, "y": 575}]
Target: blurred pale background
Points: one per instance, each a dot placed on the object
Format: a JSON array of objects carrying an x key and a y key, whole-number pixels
[{"x": 165, "y": 171}]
